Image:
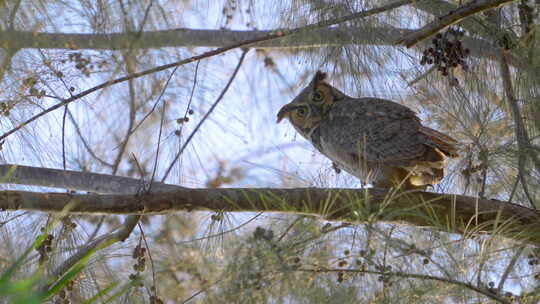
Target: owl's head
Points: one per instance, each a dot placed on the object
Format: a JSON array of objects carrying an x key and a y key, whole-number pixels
[
  {"x": 304, "y": 117},
  {"x": 312, "y": 104}
]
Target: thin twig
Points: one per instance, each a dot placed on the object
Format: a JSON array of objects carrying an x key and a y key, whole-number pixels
[
  {"x": 514, "y": 188},
  {"x": 222, "y": 233},
  {"x": 96, "y": 229},
  {"x": 188, "y": 107},
  {"x": 85, "y": 143},
  {"x": 332, "y": 229},
  {"x": 510, "y": 267},
  {"x": 64, "y": 137},
  {"x": 131, "y": 121},
  {"x": 2, "y": 223},
  {"x": 157, "y": 100},
  {"x": 482, "y": 291},
  {"x": 158, "y": 146},
  {"x": 220, "y": 97},
  {"x": 484, "y": 156},
  {"x": 154, "y": 285},
  {"x": 132, "y": 129},
  {"x": 521, "y": 132},
  {"x": 298, "y": 219}
]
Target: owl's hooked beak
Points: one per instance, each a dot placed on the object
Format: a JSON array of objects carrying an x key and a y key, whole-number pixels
[{"x": 284, "y": 111}]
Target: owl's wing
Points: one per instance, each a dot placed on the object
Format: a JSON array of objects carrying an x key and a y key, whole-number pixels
[{"x": 374, "y": 130}]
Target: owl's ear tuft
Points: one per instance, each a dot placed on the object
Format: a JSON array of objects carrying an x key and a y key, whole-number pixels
[{"x": 319, "y": 76}]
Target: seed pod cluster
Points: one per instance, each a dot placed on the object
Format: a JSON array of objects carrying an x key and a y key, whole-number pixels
[
  {"x": 447, "y": 52},
  {"x": 5, "y": 108},
  {"x": 45, "y": 248},
  {"x": 155, "y": 300},
  {"x": 85, "y": 64},
  {"x": 64, "y": 295},
  {"x": 139, "y": 254}
]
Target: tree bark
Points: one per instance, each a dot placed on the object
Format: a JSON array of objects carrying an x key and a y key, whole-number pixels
[{"x": 452, "y": 213}]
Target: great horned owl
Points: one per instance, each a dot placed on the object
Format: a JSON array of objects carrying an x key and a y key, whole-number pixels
[{"x": 379, "y": 141}]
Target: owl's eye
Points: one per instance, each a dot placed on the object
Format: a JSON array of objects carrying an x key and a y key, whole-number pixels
[
  {"x": 318, "y": 96},
  {"x": 301, "y": 112}
]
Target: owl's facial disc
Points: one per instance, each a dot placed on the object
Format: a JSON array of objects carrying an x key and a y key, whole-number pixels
[
  {"x": 303, "y": 116},
  {"x": 286, "y": 110},
  {"x": 317, "y": 96}
]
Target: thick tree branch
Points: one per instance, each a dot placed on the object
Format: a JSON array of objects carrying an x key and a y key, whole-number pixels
[
  {"x": 453, "y": 213},
  {"x": 342, "y": 35},
  {"x": 176, "y": 37},
  {"x": 455, "y": 16},
  {"x": 336, "y": 36}
]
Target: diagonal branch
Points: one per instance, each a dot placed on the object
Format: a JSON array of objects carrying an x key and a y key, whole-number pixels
[
  {"x": 243, "y": 44},
  {"x": 101, "y": 242},
  {"x": 205, "y": 117},
  {"x": 75, "y": 180},
  {"x": 474, "y": 24},
  {"x": 453, "y": 213},
  {"x": 522, "y": 135},
  {"x": 401, "y": 274},
  {"x": 440, "y": 23},
  {"x": 85, "y": 143}
]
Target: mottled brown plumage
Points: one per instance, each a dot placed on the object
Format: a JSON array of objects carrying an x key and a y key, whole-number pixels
[{"x": 377, "y": 140}]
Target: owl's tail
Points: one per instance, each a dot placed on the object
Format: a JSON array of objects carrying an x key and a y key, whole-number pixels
[
  {"x": 429, "y": 169},
  {"x": 443, "y": 142},
  {"x": 422, "y": 175}
]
